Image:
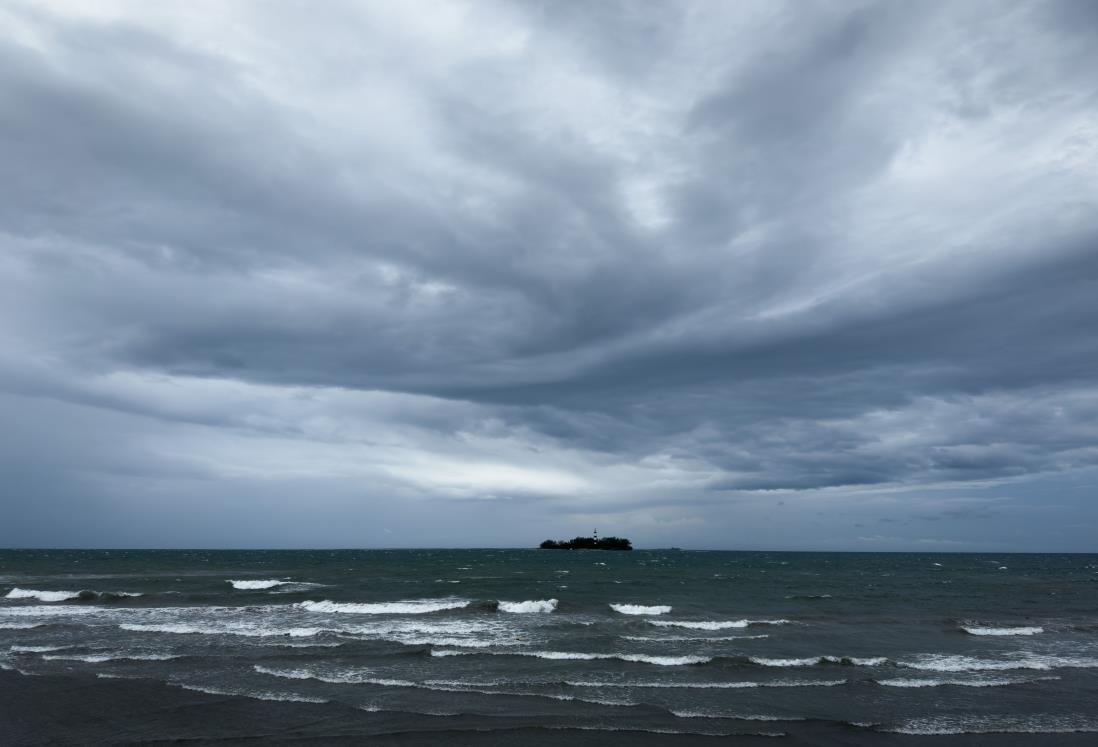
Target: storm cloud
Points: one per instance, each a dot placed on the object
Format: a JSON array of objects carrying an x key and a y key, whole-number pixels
[{"x": 791, "y": 275}]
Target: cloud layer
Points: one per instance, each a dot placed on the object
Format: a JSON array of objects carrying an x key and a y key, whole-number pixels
[{"x": 709, "y": 274}]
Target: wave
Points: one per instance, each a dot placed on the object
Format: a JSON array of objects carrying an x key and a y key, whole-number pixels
[
  {"x": 261, "y": 695},
  {"x": 734, "y": 716},
  {"x": 639, "y": 609},
  {"x": 714, "y": 624},
  {"x": 248, "y": 631},
  {"x": 980, "y": 724},
  {"x": 957, "y": 663},
  {"x": 19, "y": 626},
  {"x": 1025, "y": 630},
  {"x": 873, "y": 661},
  {"x": 99, "y": 658},
  {"x": 35, "y": 649},
  {"x": 43, "y": 596},
  {"x": 901, "y": 682},
  {"x": 407, "y": 607},
  {"x": 64, "y": 596},
  {"x": 665, "y": 661},
  {"x": 533, "y": 605},
  {"x": 808, "y": 596},
  {"x": 739, "y": 685},
  {"x": 253, "y": 585},
  {"x": 694, "y": 637}
]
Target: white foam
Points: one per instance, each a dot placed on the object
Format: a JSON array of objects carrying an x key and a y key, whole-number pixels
[
  {"x": 957, "y": 663},
  {"x": 639, "y": 609},
  {"x": 529, "y": 606},
  {"x": 44, "y": 596},
  {"x": 873, "y": 661},
  {"x": 252, "y": 585},
  {"x": 251, "y": 631},
  {"x": 735, "y": 716},
  {"x": 715, "y": 624},
  {"x": 406, "y": 607},
  {"x": 666, "y": 661},
  {"x": 694, "y": 637},
  {"x": 904, "y": 682},
  {"x": 98, "y": 658},
  {"x": 981, "y": 724},
  {"x": 36, "y": 649},
  {"x": 1024, "y": 630},
  {"x": 700, "y": 625},
  {"x": 740, "y": 685}
]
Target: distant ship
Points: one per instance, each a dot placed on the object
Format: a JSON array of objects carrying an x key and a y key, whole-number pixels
[{"x": 588, "y": 543}]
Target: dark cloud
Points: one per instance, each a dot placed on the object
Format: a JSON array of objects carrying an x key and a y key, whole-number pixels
[{"x": 647, "y": 265}]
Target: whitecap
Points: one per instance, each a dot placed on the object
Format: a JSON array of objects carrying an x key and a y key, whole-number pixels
[
  {"x": 907, "y": 682},
  {"x": 99, "y": 658},
  {"x": 253, "y": 585},
  {"x": 1023, "y": 630},
  {"x": 250, "y": 631},
  {"x": 639, "y": 609},
  {"x": 714, "y": 624},
  {"x": 666, "y": 661},
  {"x": 36, "y": 649},
  {"x": 738, "y": 685},
  {"x": 694, "y": 637},
  {"x": 873, "y": 661},
  {"x": 44, "y": 596},
  {"x": 406, "y": 607},
  {"x": 529, "y": 606},
  {"x": 957, "y": 663}
]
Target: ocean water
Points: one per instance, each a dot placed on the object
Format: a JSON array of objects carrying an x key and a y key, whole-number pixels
[{"x": 661, "y": 641}]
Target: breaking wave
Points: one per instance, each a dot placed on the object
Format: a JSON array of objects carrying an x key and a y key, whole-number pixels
[
  {"x": 1026, "y": 630},
  {"x": 714, "y": 624},
  {"x": 98, "y": 658},
  {"x": 902, "y": 682},
  {"x": 533, "y": 605},
  {"x": 957, "y": 663},
  {"x": 407, "y": 607},
  {"x": 639, "y": 609},
  {"x": 873, "y": 661},
  {"x": 43, "y": 596},
  {"x": 739, "y": 685},
  {"x": 665, "y": 661}
]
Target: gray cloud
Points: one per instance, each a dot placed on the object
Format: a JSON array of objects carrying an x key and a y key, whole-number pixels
[{"x": 654, "y": 277}]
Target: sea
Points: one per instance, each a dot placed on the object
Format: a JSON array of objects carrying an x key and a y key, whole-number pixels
[{"x": 664, "y": 642}]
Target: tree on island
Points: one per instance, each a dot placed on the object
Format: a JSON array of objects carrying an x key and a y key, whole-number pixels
[{"x": 588, "y": 543}]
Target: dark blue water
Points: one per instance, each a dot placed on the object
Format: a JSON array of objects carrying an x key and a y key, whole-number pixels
[{"x": 664, "y": 641}]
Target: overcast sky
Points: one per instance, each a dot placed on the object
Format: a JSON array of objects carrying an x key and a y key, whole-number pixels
[{"x": 744, "y": 275}]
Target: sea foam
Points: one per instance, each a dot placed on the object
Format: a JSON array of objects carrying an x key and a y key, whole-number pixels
[
  {"x": 715, "y": 624},
  {"x": 665, "y": 661},
  {"x": 639, "y": 609},
  {"x": 529, "y": 606},
  {"x": 252, "y": 585},
  {"x": 406, "y": 607},
  {"x": 44, "y": 596},
  {"x": 873, "y": 661},
  {"x": 1025, "y": 630}
]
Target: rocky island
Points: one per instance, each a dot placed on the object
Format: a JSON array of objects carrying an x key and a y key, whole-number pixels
[{"x": 588, "y": 543}]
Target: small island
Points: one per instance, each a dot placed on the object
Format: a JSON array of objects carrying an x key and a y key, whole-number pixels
[{"x": 588, "y": 543}]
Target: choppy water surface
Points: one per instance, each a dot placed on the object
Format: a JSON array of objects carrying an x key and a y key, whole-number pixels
[{"x": 665, "y": 641}]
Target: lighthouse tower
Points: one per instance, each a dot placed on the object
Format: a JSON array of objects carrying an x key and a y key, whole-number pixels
[{"x": 596, "y": 535}]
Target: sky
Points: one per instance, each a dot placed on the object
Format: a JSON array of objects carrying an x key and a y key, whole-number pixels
[{"x": 751, "y": 275}]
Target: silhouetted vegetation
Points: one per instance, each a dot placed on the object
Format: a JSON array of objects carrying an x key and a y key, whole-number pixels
[{"x": 588, "y": 543}]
